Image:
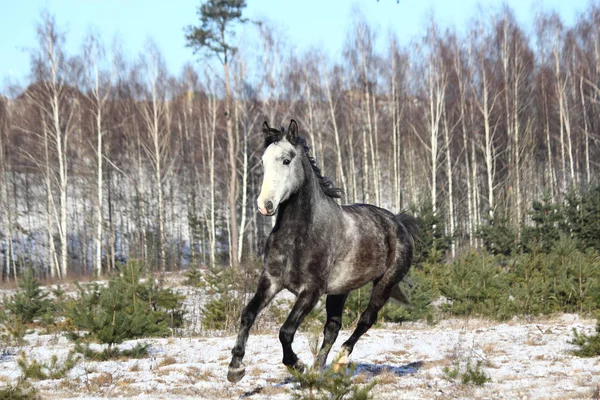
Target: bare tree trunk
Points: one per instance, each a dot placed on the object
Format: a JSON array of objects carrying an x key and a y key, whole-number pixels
[
  {"x": 5, "y": 206},
  {"x": 232, "y": 148},
  {"x": 211, "y": 165},
  {"x": 462, "y": 95},
  {"x": 244, "y": 187},
  {"x": 550, "y": 167},
  {"x": 450, "y": 183},
  {"x": 336, "y": 135},
  {"x": 586, "y": 132},
  {"x": 375, "y": 159}
]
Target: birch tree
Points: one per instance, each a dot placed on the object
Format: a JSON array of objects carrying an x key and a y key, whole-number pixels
[{"x": 215, "y": 35}]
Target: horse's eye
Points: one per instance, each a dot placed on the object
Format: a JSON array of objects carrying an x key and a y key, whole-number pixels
[{"x": 286, "y": 162}]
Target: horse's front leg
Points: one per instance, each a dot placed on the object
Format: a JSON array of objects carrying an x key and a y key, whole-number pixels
[
  {"x": 267, "y": 289},
  {"x": 306, "y": 301}
]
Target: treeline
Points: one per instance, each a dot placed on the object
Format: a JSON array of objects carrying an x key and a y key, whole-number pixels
[{"x": 105, "y": 158}]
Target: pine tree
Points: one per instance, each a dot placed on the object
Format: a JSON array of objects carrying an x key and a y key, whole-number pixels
[
  {"x": 126, "y": 308},
  {"x": 546, "y": 217},
  {"x": 433, "y": 243},
  {"x": 582, "y": 213},
  {"x": 214, "y": 37},
  {"x": 30, "y": 301},
  {"x": 498, "y": 235}
]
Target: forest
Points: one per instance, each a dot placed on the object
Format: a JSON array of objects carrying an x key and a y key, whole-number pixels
[{"x": 107, "y": 157}]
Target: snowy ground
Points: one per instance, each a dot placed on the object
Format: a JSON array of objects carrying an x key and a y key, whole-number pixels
[{"x": 525, "y": 360}]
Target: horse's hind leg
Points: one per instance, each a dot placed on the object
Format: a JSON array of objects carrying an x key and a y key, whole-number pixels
[
  {"x": 267, "y": 289},
  {"x": 379, "y": 296},
  {"x": 335, "y": 306}
]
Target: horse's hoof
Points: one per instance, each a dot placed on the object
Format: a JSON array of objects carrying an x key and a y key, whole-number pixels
[
  {"x": 234, "y": 375},
  {"x": 299, "y": 366},
  {"x": 341, "y": 361}
]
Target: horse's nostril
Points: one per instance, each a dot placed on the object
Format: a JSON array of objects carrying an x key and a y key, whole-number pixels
[{"x": 269, "y": 206}]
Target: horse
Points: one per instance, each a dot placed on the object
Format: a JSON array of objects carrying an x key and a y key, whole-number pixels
[{"x": 319, "y": 247}]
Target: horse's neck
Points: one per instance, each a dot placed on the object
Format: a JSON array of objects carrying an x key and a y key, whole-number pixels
[{"x": 302, "y": 208}]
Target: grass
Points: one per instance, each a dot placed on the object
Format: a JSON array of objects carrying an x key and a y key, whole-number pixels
[
  {"x": 167, "y": 361},
  {"x": 467, "y": 374},
  {"x": 327, "y": 384},
  {"x": 42, "y": 371},
  {"x": 20, "y": 391},
  {"x": 140, "y": 350},
  {"x": 587, "y": 346}
]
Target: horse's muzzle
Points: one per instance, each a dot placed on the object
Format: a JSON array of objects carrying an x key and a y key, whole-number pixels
[{"x": 268, "y": 210}]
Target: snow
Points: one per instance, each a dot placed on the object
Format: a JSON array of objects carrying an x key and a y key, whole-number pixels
[{"x": 524, "y": 359}]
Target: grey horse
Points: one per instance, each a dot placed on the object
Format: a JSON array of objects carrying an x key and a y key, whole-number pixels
[{"x": 319, "y": 247}]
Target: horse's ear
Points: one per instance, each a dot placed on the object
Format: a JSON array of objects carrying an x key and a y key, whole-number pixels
[
  {"x": 292, "y": 132},
  {"x": 266, "y": 129}
]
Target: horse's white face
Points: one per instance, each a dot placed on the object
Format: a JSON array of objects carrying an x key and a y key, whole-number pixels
[{"x": 283, "y": 176}]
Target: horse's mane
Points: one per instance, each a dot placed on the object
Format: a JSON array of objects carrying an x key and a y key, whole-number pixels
[{"x": 326, "y": 184}]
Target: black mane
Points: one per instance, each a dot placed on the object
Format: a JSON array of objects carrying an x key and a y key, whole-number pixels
[{"x": 326, "y": 184}]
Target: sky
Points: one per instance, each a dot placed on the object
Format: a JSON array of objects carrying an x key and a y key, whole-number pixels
[{"x": 305, "y": 24}]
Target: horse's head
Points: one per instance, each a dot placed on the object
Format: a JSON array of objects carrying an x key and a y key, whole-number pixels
[{"x": 283, "y": 170}]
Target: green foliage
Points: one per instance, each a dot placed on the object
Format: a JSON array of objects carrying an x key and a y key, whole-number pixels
[
  {"x": 422, "y": 293},
  {"x": 30, "y": 302},
  {"x": 222, "y": 312},
  {"x": 468, "y": 374},
  {"x": 228, "y": 284},
  {"x": 54, "y": 370},
  {"x": 127, "y": 308},
  {"x": 217, "y": 18},
  {"x": 355, "y": 304},
  {"x": 140, "y": 350},
  {"x": 588, "y": 346},
  {"x": 193, "y": 277},
  {"x": 20, "y": 391},
  {"x": 582, "y": 213},
  {"x": 476, "y": 284},
  {"x": 329, "y": 385},
  {"x": 451, "y": 373},
  {"x": 481, "y": 284},
  {"x": 433, "y": 243},
  {"x": 546, "y": 217},
  {"x": 474, "y": 375},
  {"x": 13, "y": 329},
  {"x": 498, "y": 236}
]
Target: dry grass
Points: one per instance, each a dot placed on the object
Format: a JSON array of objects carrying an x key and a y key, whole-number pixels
[
  {"x": 269, "y": 391},
  {"x": 167, "y": 361},
  {"x": 134, "y": 368},
  {"x": 489, "y": 348},
  {"x": 125, "y": 382},
  {"x": 69, "y": 384},
  {"x": 362, "y": 378},
  {"x": 256, "y": 371},
  {"x": 512, "y": 377},
  {"x": 103, "y": 379},
  {"x": 444, "y": 362},
  {"x": 399, "y": 353},
  {"x": 535, "y": 340},
  {"x": 195, "y": 374},
  {"x": 386, "y": 377},
  {"x": 163, "y": 372}
]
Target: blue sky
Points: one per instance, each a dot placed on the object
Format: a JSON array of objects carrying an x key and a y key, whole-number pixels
[{"x": 304, "y": 23}]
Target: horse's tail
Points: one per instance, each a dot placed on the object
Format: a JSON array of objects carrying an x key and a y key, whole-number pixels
[
  {"x": 410, "y": 226},
  {"x": 400, "y": 295}
]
